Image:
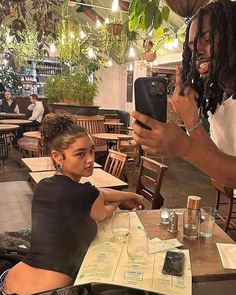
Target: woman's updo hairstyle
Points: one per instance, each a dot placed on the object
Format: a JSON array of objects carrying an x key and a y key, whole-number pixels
[{"x": 60, "y": 130}]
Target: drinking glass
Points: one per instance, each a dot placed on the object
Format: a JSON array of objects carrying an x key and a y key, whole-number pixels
[
  {"x": 137, "y": 245},
  {"x": 120, "y": 225},
  {"x": 208, "y": 216}
]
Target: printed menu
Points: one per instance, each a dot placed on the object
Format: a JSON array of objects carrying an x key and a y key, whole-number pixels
[{"x": 107, "y": 262}]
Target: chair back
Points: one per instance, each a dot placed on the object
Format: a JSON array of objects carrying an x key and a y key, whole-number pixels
[
  {"x": 149, "y": 181},
  {"x": 94, "y": 124},
  {"x": 115, "y": 163}
]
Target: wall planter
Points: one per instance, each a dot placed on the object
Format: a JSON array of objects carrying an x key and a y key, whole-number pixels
[
  {"x": 114, "y": 29},
  {"x": 75, "y": 109}
]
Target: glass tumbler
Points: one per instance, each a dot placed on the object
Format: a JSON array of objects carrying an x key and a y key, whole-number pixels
[
  {"x": 137, "y": 245},
  {"x": 120, "y": 225}
]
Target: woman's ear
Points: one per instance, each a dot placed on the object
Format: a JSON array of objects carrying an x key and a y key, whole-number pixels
[{"x": 57, "y": 157}]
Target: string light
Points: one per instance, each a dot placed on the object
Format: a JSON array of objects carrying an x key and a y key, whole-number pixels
[
  {"x": 115, "y": 5},
  {"x": 130, "y": 67},
  {"x": 132, "y": 52},
  {"x": 90, "y": 53},
  {"x": 107, "y": 20},
  {"x": 82, "y": 34},
  {"x": 98, "y": 23}
]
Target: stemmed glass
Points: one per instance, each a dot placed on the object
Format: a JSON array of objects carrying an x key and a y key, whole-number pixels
[
  {"x": 120, "y": 225},
  {"x": 137, "y": 245}
]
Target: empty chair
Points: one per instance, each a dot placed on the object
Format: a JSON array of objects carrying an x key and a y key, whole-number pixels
[
  {"x": 115, "y": 163},
  {"x": 149, "y": 181},
  {"x": 130, "y": 148},
  {"x": 229, "y": 194},
  {"x": 94, "y": 124},
  {"x": 33, "y": 145}
]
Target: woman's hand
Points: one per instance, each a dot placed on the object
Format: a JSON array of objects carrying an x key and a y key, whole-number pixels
[
  {"x": 163, "y": 138},
  {"x": 183, "y": 102},
  {"x": 137, "y": 202}
]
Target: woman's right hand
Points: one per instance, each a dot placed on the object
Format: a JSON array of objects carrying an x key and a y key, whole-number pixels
[{"x": 183, "y": 101}]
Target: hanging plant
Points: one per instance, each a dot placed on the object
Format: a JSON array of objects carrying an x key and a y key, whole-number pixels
[
  {"x": 16, "y": 14},
  {"x": 147, "y": 15},
  {"x": 147, "y": 54}
]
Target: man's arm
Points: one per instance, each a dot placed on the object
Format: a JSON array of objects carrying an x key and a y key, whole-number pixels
[
  {"x": 168, "y": 139},
  {"x": 17, "y": 110}
]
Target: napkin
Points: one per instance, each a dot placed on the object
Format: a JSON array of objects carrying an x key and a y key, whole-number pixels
[
  {"x": 227, "y": 255},
  {"x": 158, "y": 245}
]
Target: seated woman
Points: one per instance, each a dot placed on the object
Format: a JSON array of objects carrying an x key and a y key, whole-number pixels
[{"x": 64, "y": 211}]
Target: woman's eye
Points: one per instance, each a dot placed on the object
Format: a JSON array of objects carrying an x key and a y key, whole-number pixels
[{"x": 81, "y": 154}]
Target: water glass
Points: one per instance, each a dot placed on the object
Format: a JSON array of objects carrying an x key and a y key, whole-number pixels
[
  {"x": 191, "y": 223},
  {"x": 208, "y": 217},
  {"x": 120, "y": 225},
  {"x": 164, "y": 213},
  {"x": 137, "y": 245}
]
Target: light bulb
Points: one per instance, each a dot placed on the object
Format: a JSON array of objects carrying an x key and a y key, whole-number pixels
[
  {"x": 98, "y": 23},
  {"x": 115, "y": 5},
  {"x": 90, "y": 53},
  {"x": 175, "y": 43},
  {"x": 130, "y": 67},
  {"x": 52, "y": 47},
  {"x": 107, "y": 20},
  {"x": 132, "y": 52},
  {"x": 82, "y": 34}
]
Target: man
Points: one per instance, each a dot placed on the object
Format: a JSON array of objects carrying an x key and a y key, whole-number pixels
[
  {"x": 9, "y": 104},
  {"x": 209, "y": 75},
  {"x": 38, "y": 110}
]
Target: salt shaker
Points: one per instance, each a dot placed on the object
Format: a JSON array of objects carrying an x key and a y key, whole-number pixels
[{"x": 173, "y": 222}]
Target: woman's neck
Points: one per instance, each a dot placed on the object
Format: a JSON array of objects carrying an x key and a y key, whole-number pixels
[{"x": 71, "y": 176}]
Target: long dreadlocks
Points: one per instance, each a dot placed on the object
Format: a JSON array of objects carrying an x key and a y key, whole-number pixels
[{"x": 222, "y": 58}]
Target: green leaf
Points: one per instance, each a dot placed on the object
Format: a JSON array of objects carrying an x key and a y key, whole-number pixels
[
  {"x": 149, "y": 14},
  {"x": 157, "y": 19},
  {"x": 140, "y": 7},
  {"x": 132, "y": 7},
  {"x": 165, "y": 12},
  {"x": 133, "y": 23},
  {"x": 159, "y": 33}
]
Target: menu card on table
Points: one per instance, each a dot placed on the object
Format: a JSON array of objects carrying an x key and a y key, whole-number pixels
[{"x": 107, "y": 262}]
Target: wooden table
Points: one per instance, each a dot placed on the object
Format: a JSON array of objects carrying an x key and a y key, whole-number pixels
[
  {"x": 33, "y": 134},
  {"x": 111, "y": 138},
  {"x": 100, "y": 178},
  {"x": 15, "y": 121},
  {"x": 6, "y": 139},
  {"x": 37, "y": 164},
  {"x": 12, "y": 115},
  {"x": 205, "y": 259}
]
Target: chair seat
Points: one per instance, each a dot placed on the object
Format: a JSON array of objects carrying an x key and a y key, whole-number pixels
[{"x": 29, "y": 144}]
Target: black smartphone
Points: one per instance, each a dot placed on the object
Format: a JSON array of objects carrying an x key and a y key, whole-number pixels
[
  {"x": 174, "y": 263},
  {"x": 151, "y": 97}
]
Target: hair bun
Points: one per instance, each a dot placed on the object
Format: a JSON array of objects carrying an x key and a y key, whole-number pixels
[{"x": 56, "y": 124}]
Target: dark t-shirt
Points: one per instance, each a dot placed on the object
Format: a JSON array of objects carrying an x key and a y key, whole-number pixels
[{"x": 62, "y": 228}]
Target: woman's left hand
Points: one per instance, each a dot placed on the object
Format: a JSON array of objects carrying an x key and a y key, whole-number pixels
[{"x": 135, "y": 203}]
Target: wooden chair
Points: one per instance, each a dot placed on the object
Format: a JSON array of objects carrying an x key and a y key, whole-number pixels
[
  {"x": 94, "y": 124},
  {"x": 115, "y": 163},
  {"x": 130, "y": 148},
  {"x": 229, "y": 194},
  {"x": 33, "y": 145},
  {"x": 149, "y": 181}
]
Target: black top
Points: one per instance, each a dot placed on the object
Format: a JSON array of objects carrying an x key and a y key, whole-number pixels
[
  {"x": 6, "y": 108},
  {"x": 62, "y": 228}
]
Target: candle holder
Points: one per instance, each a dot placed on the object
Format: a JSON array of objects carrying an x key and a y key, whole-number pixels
[{"x": 164, "y": 212}]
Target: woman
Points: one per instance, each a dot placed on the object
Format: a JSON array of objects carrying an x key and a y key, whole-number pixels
[{"x": 64, "y": 211}]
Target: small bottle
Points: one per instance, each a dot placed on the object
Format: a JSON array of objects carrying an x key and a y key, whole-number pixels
[
  {"x": 191, "y": 218},
  {"x": 173, "y": 222}
]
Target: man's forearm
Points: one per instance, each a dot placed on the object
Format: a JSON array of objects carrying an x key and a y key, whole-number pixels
[{"x": 116, "y": 196}]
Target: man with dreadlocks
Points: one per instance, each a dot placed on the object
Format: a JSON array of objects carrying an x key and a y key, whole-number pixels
[{"x": 209, "y": 77}]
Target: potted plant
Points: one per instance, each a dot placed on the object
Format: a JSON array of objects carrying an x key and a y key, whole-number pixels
[
  {"x": 115, "y": 27},
  {"x": 148, "y": 55},
  {"x": 74, "y": 93}
]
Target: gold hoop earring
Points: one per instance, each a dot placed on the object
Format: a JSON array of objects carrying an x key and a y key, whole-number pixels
[{"x": 60, "y": 166}]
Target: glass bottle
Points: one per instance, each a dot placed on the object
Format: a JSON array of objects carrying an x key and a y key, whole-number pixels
[{"x": 191, "y": 218}]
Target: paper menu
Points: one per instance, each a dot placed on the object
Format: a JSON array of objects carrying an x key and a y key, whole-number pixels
[{"x": 107, "y": 262}]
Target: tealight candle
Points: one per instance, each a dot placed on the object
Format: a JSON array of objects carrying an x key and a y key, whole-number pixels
[{"x": 164, "y": 215}]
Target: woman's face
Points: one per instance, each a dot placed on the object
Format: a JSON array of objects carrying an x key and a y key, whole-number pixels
[
  {"x": 203, "y": 54},
  {"x": 79, "y": 158}
]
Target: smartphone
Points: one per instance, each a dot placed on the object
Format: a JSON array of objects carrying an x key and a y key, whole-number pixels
[
  {"x": 174, "y": 263},
  {"x": 151, "y": 97}
]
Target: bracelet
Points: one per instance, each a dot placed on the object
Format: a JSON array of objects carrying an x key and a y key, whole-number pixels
[{"x": 194, "y": 127}]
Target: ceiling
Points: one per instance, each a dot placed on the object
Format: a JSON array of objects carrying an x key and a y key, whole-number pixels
[{"x": 101, "y": 9}]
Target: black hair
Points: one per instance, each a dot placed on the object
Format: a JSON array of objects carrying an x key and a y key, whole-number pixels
[{"x": 222, "y": 60}]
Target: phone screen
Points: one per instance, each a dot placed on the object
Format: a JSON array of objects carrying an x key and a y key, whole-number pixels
[
  {"x": 151, "y": 97},
  {"x": 174, "y": 263}
]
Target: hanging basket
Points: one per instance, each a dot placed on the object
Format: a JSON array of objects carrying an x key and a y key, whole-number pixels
[
  {"x": 148, "y": 56},
  {"x": 186, "y": 8},
  {"x": 114, "y": 29}
]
